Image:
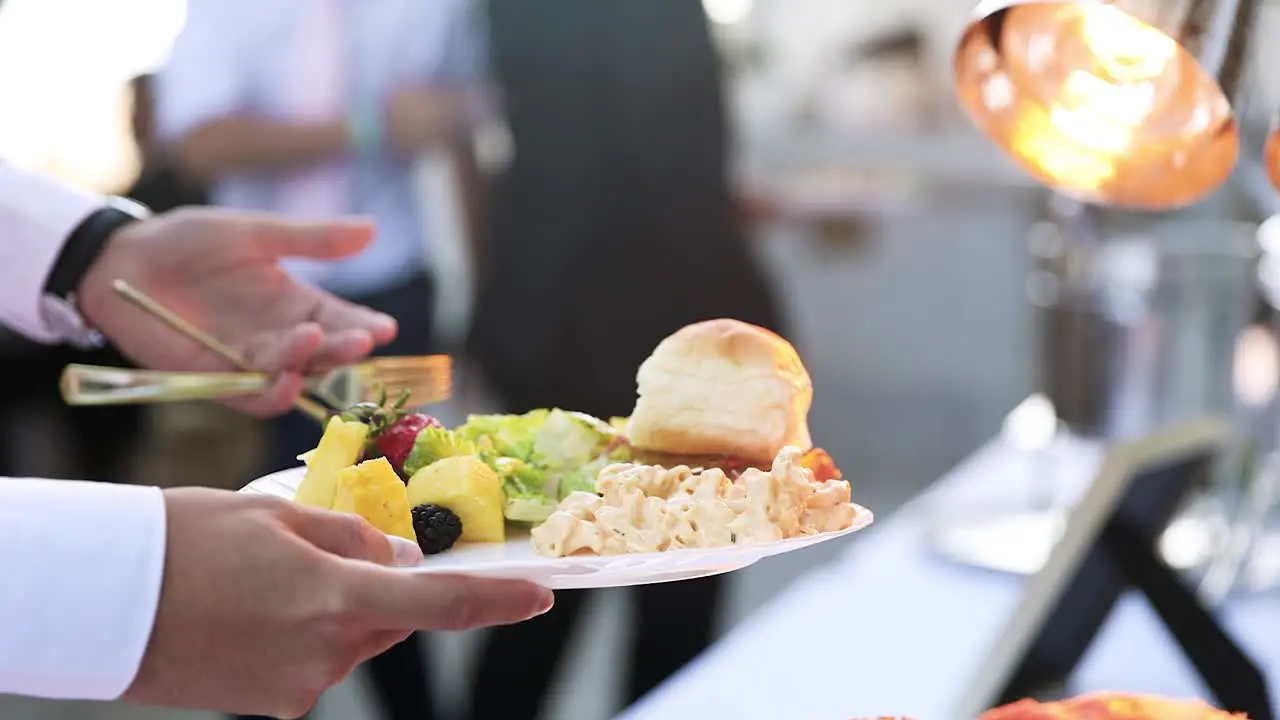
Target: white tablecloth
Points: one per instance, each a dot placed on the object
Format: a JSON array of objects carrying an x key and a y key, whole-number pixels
[{"x": 891, "y": 628}]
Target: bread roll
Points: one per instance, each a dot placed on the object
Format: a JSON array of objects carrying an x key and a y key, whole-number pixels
[{"x": 722, "y": 387}]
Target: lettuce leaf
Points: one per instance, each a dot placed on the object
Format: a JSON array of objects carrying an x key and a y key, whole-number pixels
[
  {"x": 583, "y": 480},
  {"x": 569, "y": 440},
  {"x": 507, "y": 435},
  {"x": 532, "y": 510},
  {"x": 541, "y": 456},
  {"x": 432, "y": 444}
]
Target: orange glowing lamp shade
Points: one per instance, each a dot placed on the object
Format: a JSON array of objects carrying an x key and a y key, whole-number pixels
[{"x": 1096, "y": 104}]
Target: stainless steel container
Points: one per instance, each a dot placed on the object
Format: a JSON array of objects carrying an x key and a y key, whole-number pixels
[{"x": 1140, "y": 329}]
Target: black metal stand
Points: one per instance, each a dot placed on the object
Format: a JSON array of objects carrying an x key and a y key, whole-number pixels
[
  {"x": 1233, "y": 678},
  {"x": 1113, "y": 549}
]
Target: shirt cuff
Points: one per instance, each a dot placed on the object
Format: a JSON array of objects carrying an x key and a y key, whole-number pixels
[
  {"x": 82, "y": 565},
  {"x": 37, "y": 215}
]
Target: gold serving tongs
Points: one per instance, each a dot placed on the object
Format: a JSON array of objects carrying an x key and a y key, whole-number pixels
[
  {"x": 99, "y": 385},
  {"x": 427, "y": 379}
]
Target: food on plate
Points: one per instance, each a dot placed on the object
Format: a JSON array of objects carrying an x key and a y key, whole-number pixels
[
  {"x": 717, "y": 452},
  {"x": 723, "y": 393},
  {"x": 432, "y": 444},
  {"x": 466, "y": 485},
  {"x": 725, "y": 388},
  {"x": 366, "y": 461},
  {"x": 374, "y": 491},
  {"x": 649, "y": 508},
  {"x": 340, "y": 447},
  {"x": 721, "y": 454},
  {"x": 396, "y": 441},
  {"x": 438, "y": 528},
  {"x": 392, "y": 429},
  {"x": 1110, "y": 706},
  {"x": 543, "y": 456}
]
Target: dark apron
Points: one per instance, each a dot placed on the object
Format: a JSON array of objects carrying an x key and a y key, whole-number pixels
[{"x": 613, "y": 227}]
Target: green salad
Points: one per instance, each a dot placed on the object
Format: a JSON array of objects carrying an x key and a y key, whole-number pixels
[{"x": 541, "y": 456}]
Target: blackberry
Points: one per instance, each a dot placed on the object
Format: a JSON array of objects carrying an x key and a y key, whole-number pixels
[{"x": 437, "y": 528}]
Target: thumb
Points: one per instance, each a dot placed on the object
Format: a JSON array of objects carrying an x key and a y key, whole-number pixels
[
  {"x": 322, "y": 240},
  {"x": 351, "y": 536}
]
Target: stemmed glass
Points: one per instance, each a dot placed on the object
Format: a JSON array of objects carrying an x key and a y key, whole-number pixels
[
  {"x": 1251, "y": 559},
  {"x": 1138, "y": 331}
]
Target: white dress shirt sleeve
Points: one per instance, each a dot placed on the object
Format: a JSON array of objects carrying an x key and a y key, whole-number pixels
[
  {"x": 81, "y": 565},
  {"x": 36, "y": 216}
]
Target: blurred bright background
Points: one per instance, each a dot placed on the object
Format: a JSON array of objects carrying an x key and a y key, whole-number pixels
[
  {"x": 915, "y": 263},
  {"x": 64, "y": 65}
]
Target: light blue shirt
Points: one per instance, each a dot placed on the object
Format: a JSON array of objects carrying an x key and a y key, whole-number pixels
[{"x": 233, "y": 56}]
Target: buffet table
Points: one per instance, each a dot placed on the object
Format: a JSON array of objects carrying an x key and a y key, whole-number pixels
[{"x": 892, "y": 628}]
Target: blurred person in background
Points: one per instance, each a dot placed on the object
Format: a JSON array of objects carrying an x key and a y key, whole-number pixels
[
  {"x": 161, "y": 184},
  {"x": 614, "y": 225},
  {"x": 193, "y": 443},
  {"x": 317, "y": 108}
]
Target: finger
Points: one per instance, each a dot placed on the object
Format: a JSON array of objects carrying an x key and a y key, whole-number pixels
[
  {"x": 340, "y": 348},
  {"x": 323, "y": 240},
  {"x": 350, "y": 536},
  {"x": 401, "y": 600},
  {"x": 336, "y": 314},
  {"x": 304, "y": 347},
  {"x": 285, "y": 350},
  {"x": 276, "y": 400}
]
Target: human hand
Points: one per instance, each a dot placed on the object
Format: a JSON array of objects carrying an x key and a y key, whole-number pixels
[
  {"x": 266, "y": 604},
  {"x": 416, "y": 118},
  {"x": 220, "y": 271}
]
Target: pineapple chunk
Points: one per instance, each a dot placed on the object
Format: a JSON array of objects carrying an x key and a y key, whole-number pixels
[
  {"x": 468, "y": 487},
  {"x": 376, "y": 493},
  {"x": 339, "y": 448}
]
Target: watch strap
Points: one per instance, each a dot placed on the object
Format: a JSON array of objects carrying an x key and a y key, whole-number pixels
[
  {"x": 84, "y": 245},
  {"x": 81, "y": 250}
]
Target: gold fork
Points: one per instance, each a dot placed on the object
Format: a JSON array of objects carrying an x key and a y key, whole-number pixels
[{"x": 428, "y": 378}]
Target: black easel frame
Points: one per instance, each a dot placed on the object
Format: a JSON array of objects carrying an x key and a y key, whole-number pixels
[
  {"x": 1109, "y": 547},
  {"x": 1233, "y": 678}
]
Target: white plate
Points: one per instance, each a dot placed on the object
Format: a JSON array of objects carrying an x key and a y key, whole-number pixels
[{"x": 516, "y": 559}]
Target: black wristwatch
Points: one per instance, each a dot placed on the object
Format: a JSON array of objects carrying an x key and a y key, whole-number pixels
[{"x": 79, "y": 253}]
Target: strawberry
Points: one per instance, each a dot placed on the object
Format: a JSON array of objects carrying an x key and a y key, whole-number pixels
[
  {"x": 395, "y": 442},
  {"x": 392, "y": 430}
]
